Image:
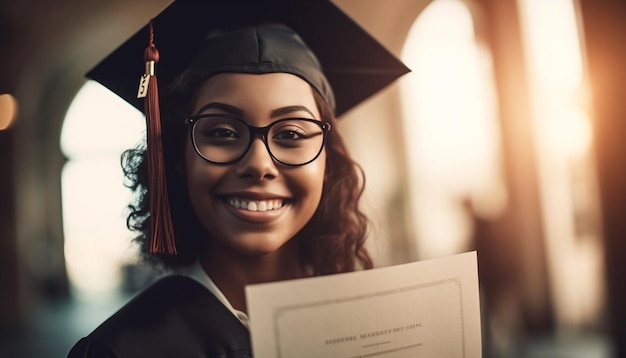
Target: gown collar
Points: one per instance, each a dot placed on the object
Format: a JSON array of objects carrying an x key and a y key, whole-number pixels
[{"x": 198, "y": 273}]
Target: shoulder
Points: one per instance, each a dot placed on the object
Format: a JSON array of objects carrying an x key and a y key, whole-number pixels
[{"x": 176, "y": 316}]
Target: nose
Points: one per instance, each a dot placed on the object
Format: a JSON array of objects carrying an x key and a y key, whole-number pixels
[{"x": 257, "y": 163}]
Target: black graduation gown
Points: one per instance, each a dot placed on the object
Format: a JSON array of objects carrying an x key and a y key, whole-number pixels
[{"x": 175, "y": 317}]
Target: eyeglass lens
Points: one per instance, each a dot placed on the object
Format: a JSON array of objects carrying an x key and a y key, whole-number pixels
[{"x": 290, "y": 141}]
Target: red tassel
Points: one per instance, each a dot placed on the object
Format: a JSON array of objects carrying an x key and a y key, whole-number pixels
[{"x": 162, "y": 239}]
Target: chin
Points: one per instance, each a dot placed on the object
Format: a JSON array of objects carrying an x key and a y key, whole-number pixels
[
  {"x": 258, "y": 245},
  {"x": 262, "y": 250}
]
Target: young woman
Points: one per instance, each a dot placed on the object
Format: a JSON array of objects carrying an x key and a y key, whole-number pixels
[{"x": 259, "y": 188}]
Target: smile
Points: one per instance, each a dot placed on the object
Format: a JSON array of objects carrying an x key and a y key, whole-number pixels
[{"x": 255, "y": 205}]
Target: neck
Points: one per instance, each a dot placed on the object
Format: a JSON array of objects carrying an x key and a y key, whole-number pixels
[{"x": 232, "y": 271}]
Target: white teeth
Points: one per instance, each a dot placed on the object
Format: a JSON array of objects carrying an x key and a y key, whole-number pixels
[{"x": 261, "y": 205}]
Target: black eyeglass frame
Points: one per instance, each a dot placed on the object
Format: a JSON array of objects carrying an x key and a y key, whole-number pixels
[{"x": 256, "y": 132}]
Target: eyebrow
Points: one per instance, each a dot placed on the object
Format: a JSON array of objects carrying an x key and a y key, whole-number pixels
[
  {"x": 223, "y": 107},
  {"x": 290, "y": 109},
  {"x": 240, "y": 113}
]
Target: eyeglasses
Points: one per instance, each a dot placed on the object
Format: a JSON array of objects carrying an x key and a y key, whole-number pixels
[{"x": 223, "y": 139}]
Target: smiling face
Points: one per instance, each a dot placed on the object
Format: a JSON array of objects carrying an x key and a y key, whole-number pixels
[{"x": 255, "y": 205}]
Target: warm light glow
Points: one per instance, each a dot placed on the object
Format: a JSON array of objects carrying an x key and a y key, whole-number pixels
[
  {"x": 452, "y": 134},
  {"x": 98, "y": 121},
  {"x": 556, "y": 70},
  {"x": 554, "y": 51},
  {"x": 97, "y": 128},
  {"x": 568, "y": 132},
  {"x": 8, "y": 110},
  {"x": 96, "y": 239},
  {"x": 563, "y": 133}
]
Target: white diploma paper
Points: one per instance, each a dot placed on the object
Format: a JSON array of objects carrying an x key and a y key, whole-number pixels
[{"x": 422, "y": 309}]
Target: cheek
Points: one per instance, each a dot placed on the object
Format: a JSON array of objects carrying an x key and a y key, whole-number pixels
[
  {"x": 312, "y": 177},
  {"x": 198, "y": 174}
]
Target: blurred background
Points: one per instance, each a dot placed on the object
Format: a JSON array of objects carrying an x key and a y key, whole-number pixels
[{"x": 507, "y": 138}]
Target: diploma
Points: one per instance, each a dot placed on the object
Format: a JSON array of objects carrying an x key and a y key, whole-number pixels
[{"x": 422, "y": 309}]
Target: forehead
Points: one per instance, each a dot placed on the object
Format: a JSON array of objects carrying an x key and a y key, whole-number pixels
[{"x": 254, "y": 93}]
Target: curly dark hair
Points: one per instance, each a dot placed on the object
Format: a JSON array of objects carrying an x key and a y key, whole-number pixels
[{"x": 331, "y": 242}]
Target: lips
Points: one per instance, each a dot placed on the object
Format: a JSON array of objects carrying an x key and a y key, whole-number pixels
[{"x": 255, "y": 205}]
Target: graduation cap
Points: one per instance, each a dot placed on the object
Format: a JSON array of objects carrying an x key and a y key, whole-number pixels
[{"x": 312, "y": 39}]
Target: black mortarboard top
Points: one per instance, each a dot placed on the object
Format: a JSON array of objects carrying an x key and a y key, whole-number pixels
[
  {"x": 328, "y": 50},
  {"x": 355, "y": 64}
]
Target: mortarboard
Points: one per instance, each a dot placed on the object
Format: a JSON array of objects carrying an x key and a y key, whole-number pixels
[
  {"x": 328, "y": 49},
  {"x": 355, "y": 64}
]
